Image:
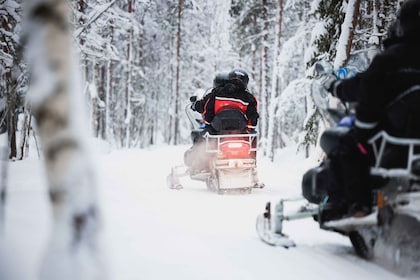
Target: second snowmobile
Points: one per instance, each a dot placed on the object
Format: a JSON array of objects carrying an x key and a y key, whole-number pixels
[{"x": 390, "y": 235}]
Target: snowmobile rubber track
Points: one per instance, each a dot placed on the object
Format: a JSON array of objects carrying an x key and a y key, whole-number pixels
[
  {"x": 237, "y": 191},
  {"x": 360, "y": 246}
]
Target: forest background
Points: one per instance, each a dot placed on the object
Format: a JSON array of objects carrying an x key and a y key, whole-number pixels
[{"x": 141, "y": 60}]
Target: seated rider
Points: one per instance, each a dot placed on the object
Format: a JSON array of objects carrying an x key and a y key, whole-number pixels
[
  {"x": 232, "y": 95},
  {"x": 391, "y": 72},
  {"x": 229, "y": 92},
  {"x": 219, "y": 81}
]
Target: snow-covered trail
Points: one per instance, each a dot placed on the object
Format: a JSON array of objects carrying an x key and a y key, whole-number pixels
[
  {"x": 152, "y": 232},
  {"x": 158, "y": 233}
]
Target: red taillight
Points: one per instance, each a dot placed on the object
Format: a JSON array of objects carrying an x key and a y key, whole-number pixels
[{"x": 235, "y": 149}]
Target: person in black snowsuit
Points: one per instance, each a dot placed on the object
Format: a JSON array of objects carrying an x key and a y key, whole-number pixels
[
  {"x": 219, "y": 81},
  {"x": 227, "y": 93},
  {"x": 198, "y": 104},
  {"x": 391, "y": 72},
  {"x": 232, "y": 95}
]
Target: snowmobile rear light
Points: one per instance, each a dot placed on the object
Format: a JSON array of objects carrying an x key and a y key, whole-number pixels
[
  {"x": 235, "y": 145},
  {"x": 235, "y": 149}
]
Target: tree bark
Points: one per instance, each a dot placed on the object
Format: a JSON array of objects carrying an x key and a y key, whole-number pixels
[
  {"x": 128, "y": 109},
  {"x": 25, "y": 133},
  {"x": 11, "y": 114},
  {"x": 272, "y": 107},
  {"x": 177, "y": 74},
  {"x": 265, "y": 81}
]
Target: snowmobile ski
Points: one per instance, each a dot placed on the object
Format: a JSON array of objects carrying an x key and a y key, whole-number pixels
[
  {"x": 270, "y": 231},
  {"x": 268, "y": 236}
]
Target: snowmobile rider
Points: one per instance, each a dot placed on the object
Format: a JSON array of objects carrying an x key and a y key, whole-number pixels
[
  {"x": 219, "y": 81},
  {"x": 391, "y": 72},
  {"x": 198, "y": 105},
  {"x": 229, "y": 92},
  {"x": 232, "y": 95}
]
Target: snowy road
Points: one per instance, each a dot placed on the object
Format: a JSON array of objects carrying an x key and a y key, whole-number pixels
[{"x": 152, "y": 232}]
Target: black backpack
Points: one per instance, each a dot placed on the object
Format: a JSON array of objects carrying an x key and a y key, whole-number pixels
[{"x": 229, "y": 121}]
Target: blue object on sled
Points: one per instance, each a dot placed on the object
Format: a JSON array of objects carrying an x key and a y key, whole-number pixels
[
  {"x": 347, "y": 121},
  {"x": 345, "y": 72}
]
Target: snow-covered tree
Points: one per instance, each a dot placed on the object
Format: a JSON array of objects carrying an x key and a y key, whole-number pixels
[
  {"x": 341, "y": 33},
  {"x": 139, "y": 66},
  {"x": 55, "y": 95},
  {"x": 13, "y": 81},
  {"x": 256, "y": 34}
]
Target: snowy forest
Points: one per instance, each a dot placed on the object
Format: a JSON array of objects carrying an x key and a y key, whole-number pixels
[
  {"x": 140, "y": 61},
  {"x": 134, "y": 64}
]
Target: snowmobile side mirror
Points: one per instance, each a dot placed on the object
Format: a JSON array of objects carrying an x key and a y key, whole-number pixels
[{"x": 193, "y": 98}]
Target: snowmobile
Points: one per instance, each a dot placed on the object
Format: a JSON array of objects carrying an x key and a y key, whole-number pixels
[
  {"x": 224, "y": 159},
  {"x": 390, "y": 235}
]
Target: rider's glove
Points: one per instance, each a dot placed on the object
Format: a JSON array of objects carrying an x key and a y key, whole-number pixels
[
  {"x": 193, "y": 106},
  {"x": 327, "y": 81},
  {"x": 193, "y": 100},
  {"x": 252, "y": 131},
  {"x": 347, "y": 121}
]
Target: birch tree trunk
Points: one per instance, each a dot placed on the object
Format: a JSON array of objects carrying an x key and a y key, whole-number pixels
[
  {"x": 178, "y": 70},
  {"x": 109, "y": 86},
  {"x": 272, "y": 107},
  {"x": 347, "y": 32},
  {"x": 128, "y": 110},
  {"x": 74, "y": 250},
  {"x": 25, "y": 133},
  {"x": 263, "y": 109}
]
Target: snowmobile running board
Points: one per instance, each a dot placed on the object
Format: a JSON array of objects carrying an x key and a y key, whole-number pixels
[{"x": 270, "y": 230}]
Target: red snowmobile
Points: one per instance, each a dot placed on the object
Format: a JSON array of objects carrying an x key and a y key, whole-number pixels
[{"x": 224, "y": 159}]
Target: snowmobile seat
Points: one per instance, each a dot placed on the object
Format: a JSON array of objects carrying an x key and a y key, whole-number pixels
[
  {"x": 229, "y": 121},
  {"x": 334, "y": 138}
]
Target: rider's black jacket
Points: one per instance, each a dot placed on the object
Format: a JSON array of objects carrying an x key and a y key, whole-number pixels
[
  {"x": 232, "y": 95},
  {"x": 391, "y": 72}
]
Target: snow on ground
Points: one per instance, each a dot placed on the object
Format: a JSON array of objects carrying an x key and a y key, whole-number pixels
[{"x": 152, "y": 232}]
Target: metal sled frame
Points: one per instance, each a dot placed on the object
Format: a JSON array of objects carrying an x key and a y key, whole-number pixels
[
  {"x": 219, "y": 165},
  {"x": 212, "y": 147},
  {"x": 379, "y": 143},
  {"x": 244, "y": 167},
  {"x": 270, "y": 229},
  {"x": 213, "y": 143}
]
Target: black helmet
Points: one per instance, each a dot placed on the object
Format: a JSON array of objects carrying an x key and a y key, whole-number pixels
[
  {"x": 408, "y": 20},
  {"x": 239, "y": 74},
  {"x": 220, "y": 79}
]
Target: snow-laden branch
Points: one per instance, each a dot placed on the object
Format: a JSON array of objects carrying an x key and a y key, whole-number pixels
[{"x": 94, "y": 18}]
